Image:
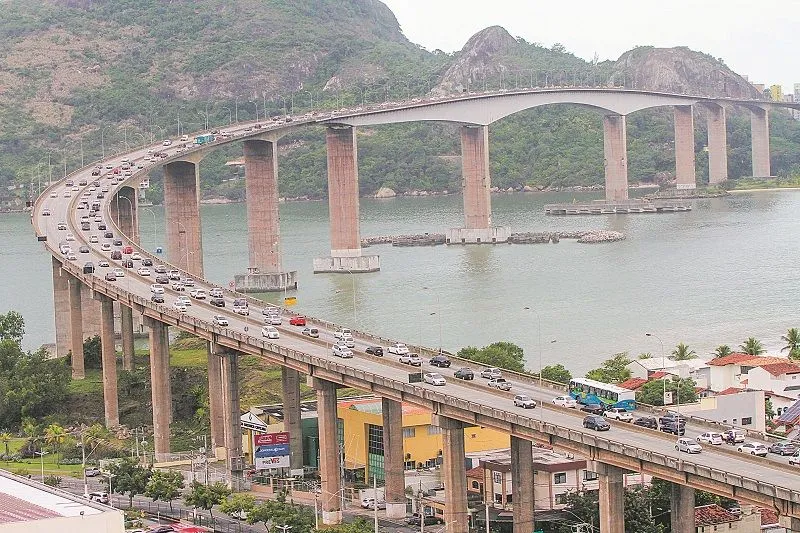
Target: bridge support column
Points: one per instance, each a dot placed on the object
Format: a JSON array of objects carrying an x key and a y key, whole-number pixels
[
  {"x": 290, "y": 383},
  {"x": 232, "y": 416},
  {"x": 61, "y": 306},
  {"x": 456, "y": 514},
  {"x": 682, "y": 509},
  {"x": 109, "y": 360},
  {"x": 91, "y": 313},
  {"x": 612, "y": 499},
  {"x": 717, "y": 144},
  {"x": 615, "y": 149},
  {"x": 759, "y": 138},
  {"x": 76, "y": 328},
  {"x": 182, "y": 206},
  {"x": 684, "y": 147},
  {"x": 126, "y": 330},
  {"x": 393, "y": 459},
  {"x": 343, "y": 205},
  {"x": 476, "y": 185},
  {"x": 329, "y": 457},
  {"x": 216, "y": 402},
  {"x": 124, "y": 211},
  {"x": 265, "y": 272},
  {"x": 160, "y": 386},
  {"x": 522, "y": 484}
]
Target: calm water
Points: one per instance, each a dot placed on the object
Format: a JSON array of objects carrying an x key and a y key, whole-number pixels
[{"x": 723, "y": 272}]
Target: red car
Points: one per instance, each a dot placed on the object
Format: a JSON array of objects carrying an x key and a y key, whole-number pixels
[{"x": 297, "y": 321}]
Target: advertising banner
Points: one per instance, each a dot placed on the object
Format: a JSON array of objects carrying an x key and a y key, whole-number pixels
[{"x": 271, "y": 450}]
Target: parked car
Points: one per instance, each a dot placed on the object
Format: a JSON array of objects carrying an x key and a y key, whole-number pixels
[
  {"x": 297, "y": 321},
  {"x": 92, "y": 471},
  {"x": 784, "y": 448},
  {"x": 412, "y": 359},
  {"x": 398, "y": 349},
  {"x": 433, "y": 378},
  {"x": 442, "y": 361},
  {"x": 311, "y": 332},
  {"x": 99, "y": 497},
  {"x": 618, "y": 413},
  {"x": 429, "y": 520},
  {"x": 649, "y": 422},
  {"x": 491, "y": 373},
  {"x": 500, "y": 384},
  {"x": 341, "y": 350},
  {"x": 565, "y": 401},
  {"x": 710, "y": 437},
  {"x": 369, "y": 503},
  {"x": 733, "y": 436},
  {"x": 597, "y": 423},
  {"x": 753, "y": 448},
  {"x": 464, "y": 373},
  {"x": 795, "y": 459},
  {"x": 524, "y": 401},
  {"x": 270, "y": 332},
  {"x": 593, "y": 408},
  {"x": 685, "y": 444}
]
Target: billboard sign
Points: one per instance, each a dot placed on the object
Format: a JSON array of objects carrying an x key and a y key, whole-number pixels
[{"x": 271, "y": 450}]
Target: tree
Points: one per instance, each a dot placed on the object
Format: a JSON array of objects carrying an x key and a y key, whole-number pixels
[
  {"x": 206, "y": 496},
  {"x": 12, "y": 327},
  {"x": 645, "y": 355},
  {"x": 769, "y": 409},
  {"x": 5, "y": 438},
  {"x": 279, "y": 512},
  {"x": 614, "y": 370},
  {"x": 54, "y": 435},
  {"x": 129, "y": 477},
  {"x": 792, "y": 340},
  {"x": 238, "y": 504},
  {"x": 505, "y": 355},
  {"x": 683, "y": 353},
  {"x": 359, "y": 525},
  {"x": 722, "y": 350},
  {"x": 652, "y": 392},
  {"x": 556, "y": 373},
  {"x": 164, "y": 485},
  {"x": 752, "y": 346}
]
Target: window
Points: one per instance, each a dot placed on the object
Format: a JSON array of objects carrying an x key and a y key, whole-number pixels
[
  {"x": 475, "y": 485},
  {"x": 409, "y": 465},
  {"x": 498, "y": 498},
  {"x": 589, "y": 476},
  {"x": 409, "y": 433},
  {"x": 561, "y": 499},
  {"x": 560, "y": 478},
  {"x": 746, "y": 421},
  {"x": 497, "y": 477},
  {"x": 434, "y": 430}
]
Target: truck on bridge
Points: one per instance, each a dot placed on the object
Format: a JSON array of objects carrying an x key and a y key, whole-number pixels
[{"x": 204, "y": 139}]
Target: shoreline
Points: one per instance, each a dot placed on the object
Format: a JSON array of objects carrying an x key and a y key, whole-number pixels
[{"x": 766, "y": 189}]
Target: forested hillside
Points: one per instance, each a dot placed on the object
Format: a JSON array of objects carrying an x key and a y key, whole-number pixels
[{"x": 79, "y": 78}]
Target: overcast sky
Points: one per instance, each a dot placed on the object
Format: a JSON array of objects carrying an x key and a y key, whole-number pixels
[{"x": 756, "y": 39}]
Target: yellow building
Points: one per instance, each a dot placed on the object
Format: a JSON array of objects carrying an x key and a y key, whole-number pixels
[{"x": 776, "y": 92}]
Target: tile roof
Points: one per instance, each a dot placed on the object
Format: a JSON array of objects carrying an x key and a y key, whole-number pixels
[
  {"x": 660, "y": 374},
  {"x": 374, "y": 405},
  {"x": 13, "y": 509},
  {"x": 732, "y": 359},
  {"x": 476, "y": 472},
  {"x": 709, "y": 515},
  {"x": 729, "y": 390},
  {"x": 633, "y": 383},
  {"x": 768, "y": 517},
  {"x": 777, "y": 369}
]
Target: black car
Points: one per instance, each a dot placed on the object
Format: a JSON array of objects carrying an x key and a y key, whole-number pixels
[
  {"x": 127, "y": 263},
  {"x": 429, "y": 520},
  {"x": 217, "y": 302},
  {"x": 464, "y": 373},
  {"x": 102, "y": 227},
  {"x": 671, "y": 426},
  {"x": 83, "y": 249},
  {"x": 784, "y": 448},
  {"x": 163, "y": 279},
  {"x": 597, "y": 423},
  {"x": 646, "y": 422},
  {"x": 442, "y": 361},
  {"x": 146, "y": 262},
  {"x": 110, "y": 276},
  {"x": 157, "y": 298},
  {"x": 108, "y": 234},
  {"x": 117, "y": 242},
  {"x": 88, "y": 267},
  {"x": 593, "y": 408},
  {"x": 377, "y": 351}
]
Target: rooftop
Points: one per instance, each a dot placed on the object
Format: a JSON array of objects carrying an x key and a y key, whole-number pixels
[
  {"x": 24, "y": 500},
  {"x": 730, "y": 390},
  {"x": 709, "y": 515},
  {"x": 633, "y": 383},
  {"x": 745, "y": 359},
  {"x": 784, "y": 367}
]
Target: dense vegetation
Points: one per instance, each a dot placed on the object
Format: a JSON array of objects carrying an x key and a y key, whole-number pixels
[{"x": 83, "y": 78}]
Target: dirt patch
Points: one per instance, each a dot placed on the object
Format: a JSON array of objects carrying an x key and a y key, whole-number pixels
[{"x": 50, "y": 113}]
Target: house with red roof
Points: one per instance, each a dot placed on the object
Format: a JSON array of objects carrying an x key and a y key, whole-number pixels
[
  {"x": 711, "y": 518},
  {"x": 781, "y": 378},
  {"x": 734, "y": 371}
]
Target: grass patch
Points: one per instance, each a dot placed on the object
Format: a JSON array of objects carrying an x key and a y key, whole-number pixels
[
  {"x": 187, "y": 358},
  {"x": 34, "y": 467},
  {"x": 91, "y": 384},
  {"x": 763, "y": 183}
]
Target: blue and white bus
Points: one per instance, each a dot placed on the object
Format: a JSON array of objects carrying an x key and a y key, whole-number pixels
[{"x": 586, "y": 390}]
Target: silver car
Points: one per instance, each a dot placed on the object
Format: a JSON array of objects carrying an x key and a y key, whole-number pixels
[{"x": 685, "y": 444}]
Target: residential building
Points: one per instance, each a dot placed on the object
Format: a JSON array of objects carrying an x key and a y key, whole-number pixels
[
  {"x": 776, "y": 377},
  {"x": 744, "y": 409},
  {"x": 713, "y": 518},
  {"x": 776, "y": 92},
  {"x": 648, "y": 368},
  {"x": 732, "y": 370}
]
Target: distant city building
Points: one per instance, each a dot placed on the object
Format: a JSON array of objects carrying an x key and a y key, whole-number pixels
[{"x": 776, "y": 92}]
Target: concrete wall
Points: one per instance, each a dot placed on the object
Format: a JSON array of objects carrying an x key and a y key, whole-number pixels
[{"x": 731, "y": 409}]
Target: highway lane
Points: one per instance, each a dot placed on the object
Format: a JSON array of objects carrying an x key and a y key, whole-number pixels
[{"x": 63, "y": 209}]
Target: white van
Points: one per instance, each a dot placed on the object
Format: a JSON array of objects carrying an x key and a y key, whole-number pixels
[{"x": 100, "y": 497}]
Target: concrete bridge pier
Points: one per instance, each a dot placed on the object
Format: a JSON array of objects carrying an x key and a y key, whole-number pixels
[
  {"x": 456, "y": 513},
  {"x": 522, "y": 484},
  {"x": 126, "y": 332},
  {"x": 476, "y": 185},
  {"x": 76, "y": 328},
  {"x": 61, "y": 306},
  {"x": 109, "y": 360},
  {"x": 182, "y": 206},
  {"x": 232, "y": 416},
  {"x": 684, "y": 147},
  {"x": 290, "y": 383},
  {"x": 759, "y": 138},
  {"x": 717, "y": 144},
  {"x": 615, "y": 150},
  {"x": 393, "y": 459},
  {"x": 612, "y": 498},
  {"x": 160, "y": 386},
  {"x": 343, "y": 205},
  {"x": 216, "y": 406},
  {"x": 124, "y": 211},
  {"x": 265, "y": 273},
  {"x": 329, "y": 448},
  {"x": 682, "y": 509}
]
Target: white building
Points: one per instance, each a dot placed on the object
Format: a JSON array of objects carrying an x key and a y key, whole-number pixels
[
  {"x": 690, "y": 368},
  {"x": 745, "y": 409},
  {"x": 732, "y": 370}
]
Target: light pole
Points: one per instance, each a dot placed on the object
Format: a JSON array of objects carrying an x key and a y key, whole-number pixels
[
  {"x": 40, "y": 453},
  {"x": 663, "y": 365},
  {"x": 64, "y": 155},
  {"x": 110, "y": 476},
  {"x": 539, "y": 323},
  {"x": 236, "y": 107},
  {"x": 353, "y": 278},
  {"x": 311, "y": 96},
  {"x": 154, "y": 224}
]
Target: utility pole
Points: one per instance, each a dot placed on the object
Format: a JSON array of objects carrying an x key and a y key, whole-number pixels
[{"x": 375, "y": 500}]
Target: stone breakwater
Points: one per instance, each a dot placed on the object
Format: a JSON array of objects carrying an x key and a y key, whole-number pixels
[{"x": 435, "y": 239}]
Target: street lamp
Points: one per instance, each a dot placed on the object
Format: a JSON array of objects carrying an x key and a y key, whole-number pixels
[
  {"x": 663, "y": 365},
  {"x": 539, "y": 322},
  {"x": 40, "y": 453},
  {"x": 155, "y": 225},
  {"x": 109, "y": 475}
]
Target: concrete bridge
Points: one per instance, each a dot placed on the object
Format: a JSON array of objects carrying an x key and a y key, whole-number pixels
[{"x": 85, "y": 303}]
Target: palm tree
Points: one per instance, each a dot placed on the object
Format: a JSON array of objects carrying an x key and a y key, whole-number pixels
[
  {"x": 752, "y": 346},
  {"x": 682, "y": 352},
  {"x": 645, "y": 355},
  {"x": 792, "y": 340},
  {"x": 5, "y": 438},
  {"x": 55, "y": 436},
  {"x": 722, "y": 350}
]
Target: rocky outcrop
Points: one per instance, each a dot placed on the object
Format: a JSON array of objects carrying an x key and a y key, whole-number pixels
[{"x": 385, "y": 192}]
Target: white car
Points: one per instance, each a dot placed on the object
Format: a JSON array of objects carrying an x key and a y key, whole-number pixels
[
  {"x": 103, "y": 263},
  {"x": 220, "y": 320},
  {"x": 753, "y": 448},
  {"x": 198, "y": 294},
  {"x": 185, "y": 300},
  {"x": 189, "y": 282},
  {"x": 174, "y": 275},
  {"x": 342, "y": 332},
  {"x": 179, "y": 306},
  {"x": 411, "y": 359},
  {"x": 565, "y": 401},
  {"x": 178, "y": 286},
  {"x": 491, "y": 373},
  {"x": 216, "y": 292},
  {"x": 524, "y": 401},
  {"x": 93, "y": 239},
  {"x": 433, "y": 378},
  {"x": 143, "y": 271},
  {"x": 166, "y": 142},
  {"x": 348, "y": 341},
  {"x": 340, "y": 350},
  {"x": 710, "y": 437},
  {"x": 53, "y": 194},
  {"x": 119, "y": 272},
  {"x": 618, "y": 413},
  {"x": 398, "y": 349},
  {"x": 274, "y": 320},
  {"x": 135, "y": 256},
  {"x": 685, "y": 444},
  {"x": 244, "y": 311},
  {"x": 70, "y": 237},
  {"x": 106, "y": 247},
  {"x": 500, "y": 384},
  {"x": 270, "y": 332},
  {"x": 157, "y": 288}
]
